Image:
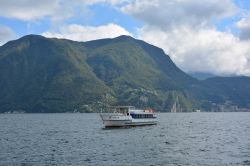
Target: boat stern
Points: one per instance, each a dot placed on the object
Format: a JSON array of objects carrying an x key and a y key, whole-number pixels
[{"x": 115, "y": 119}]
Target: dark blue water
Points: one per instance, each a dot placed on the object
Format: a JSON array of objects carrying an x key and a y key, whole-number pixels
[{"x": 79, "y": 139}]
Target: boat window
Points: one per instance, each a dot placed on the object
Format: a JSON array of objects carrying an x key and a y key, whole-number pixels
[{"x": 140, "y": 116}]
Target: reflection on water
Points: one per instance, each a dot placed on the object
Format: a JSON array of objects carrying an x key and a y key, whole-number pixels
[{"x": 79, "y": 139}]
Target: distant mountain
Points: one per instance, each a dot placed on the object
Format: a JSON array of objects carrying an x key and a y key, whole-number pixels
[
  {"x": 235, "y": 90},
  {"x": 223, "y": 94},
  {"x": 201, "y": 75},
  {"x": 39, "y": 74}
]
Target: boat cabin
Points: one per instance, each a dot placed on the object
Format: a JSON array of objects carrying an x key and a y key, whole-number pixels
[{"x": 121, "y": 109}]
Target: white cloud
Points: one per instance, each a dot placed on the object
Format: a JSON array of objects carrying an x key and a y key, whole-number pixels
[
  {"x": 112, "y": 2},
  {"x": 86, "y": 33},
  {"x": 6, "y": 34},
  {"x": 171, "y": 13}
]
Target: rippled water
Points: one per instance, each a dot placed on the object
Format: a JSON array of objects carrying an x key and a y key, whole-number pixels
[{"x": 79, "y": 139}]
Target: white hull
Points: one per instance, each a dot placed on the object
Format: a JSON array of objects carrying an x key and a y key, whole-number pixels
[
  {"x": 119, "y": 120},
  {"x": 124, "y": 124}
]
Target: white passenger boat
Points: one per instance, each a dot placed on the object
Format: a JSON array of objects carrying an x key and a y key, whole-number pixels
[{"x": 121, "y": 116}]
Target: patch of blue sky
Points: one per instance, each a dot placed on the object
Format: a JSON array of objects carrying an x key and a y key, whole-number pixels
[
  {"x": 102, "y": 14},
  {"x": 228, "y": 24},
  {"x": 38, "y": 27},
  {"x": 21, "y": 28},
  {"x": 243, "y": 4}
]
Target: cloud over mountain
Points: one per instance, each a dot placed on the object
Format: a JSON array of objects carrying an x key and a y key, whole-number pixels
[
  {"x": 86, "y": 33},
  {"x": 203, "y": 50},
  {"x": 186, "y": 30}
]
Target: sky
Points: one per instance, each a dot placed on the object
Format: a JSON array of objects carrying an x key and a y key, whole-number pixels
[{"x": 210, "y": 36}]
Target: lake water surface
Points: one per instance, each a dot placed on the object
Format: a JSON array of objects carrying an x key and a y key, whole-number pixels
[{"x": 79, "y": 139}]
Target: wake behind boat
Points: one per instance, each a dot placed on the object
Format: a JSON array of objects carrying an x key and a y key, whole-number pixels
[{"x": 122, "y": 116}]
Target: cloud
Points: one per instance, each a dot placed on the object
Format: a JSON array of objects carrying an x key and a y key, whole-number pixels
[
  {"x": 171, "y": 13},
  {"x": 28, "y": 9},
  {"x": 86, "y": 33},
  {"x": 112, "y": 2},
  {"x": 6, "y": 34},
  {"x": 244, "y": 27}
]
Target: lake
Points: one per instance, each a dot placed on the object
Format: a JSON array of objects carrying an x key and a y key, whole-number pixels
[{"x": 195, "y": 139}]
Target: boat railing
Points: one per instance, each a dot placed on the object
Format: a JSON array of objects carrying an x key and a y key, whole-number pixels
[{"x": 119, "y": 109}]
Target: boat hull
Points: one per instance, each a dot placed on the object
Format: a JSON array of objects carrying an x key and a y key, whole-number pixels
[
  {"x": 126, "y": 123},
  {"x": 117, "y": 120}
]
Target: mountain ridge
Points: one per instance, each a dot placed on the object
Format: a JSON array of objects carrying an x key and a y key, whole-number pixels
[{"x": 39, "y": 74}]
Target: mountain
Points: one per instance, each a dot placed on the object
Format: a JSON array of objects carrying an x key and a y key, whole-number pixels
[{"x": 39, "y": 74}]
